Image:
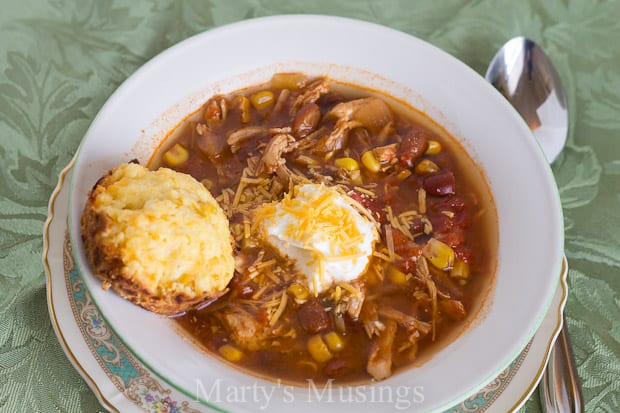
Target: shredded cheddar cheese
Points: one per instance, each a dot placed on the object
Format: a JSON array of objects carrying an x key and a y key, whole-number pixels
[{"x": 321, "y": 230}]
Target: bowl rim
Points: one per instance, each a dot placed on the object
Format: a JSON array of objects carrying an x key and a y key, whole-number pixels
[{"x": 260, "y": 24}]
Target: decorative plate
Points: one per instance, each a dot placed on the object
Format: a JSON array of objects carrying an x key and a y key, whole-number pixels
[
  {"x": 123, "y": 384},
  {"x": 177, "y": 82}
]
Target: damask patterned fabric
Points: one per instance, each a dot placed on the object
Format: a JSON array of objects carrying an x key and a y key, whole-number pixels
[{"x": 61, "y": 59}]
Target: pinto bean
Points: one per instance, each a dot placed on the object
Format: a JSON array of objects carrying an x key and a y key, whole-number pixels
[
  {"x": 440, "y": 184},
  {"x": 306, "y": 120},
  {"x": 413, "y": 146},
  {"x": 312, "y": 316}
]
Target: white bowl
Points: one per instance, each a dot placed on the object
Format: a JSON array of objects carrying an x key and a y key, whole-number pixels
[{"x": 175, "y": 83}]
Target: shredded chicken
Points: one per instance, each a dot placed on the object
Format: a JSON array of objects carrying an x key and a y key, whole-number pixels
[
  {"x": 386, "y": 155},
  {"x": 245, "y": 330},
  {"x": 310, "y": 94},
  {"x": 237, "y": 138},
  {"x": 370, "y": 318},
  {"x": 356, "y": 301},
  {"x": 371, "y": 112},
  {"x": 423, "y": 273},
  {"x": 409, "y": 322},
  {"x": 282, "y": 97},
  {"x": 346, "y": 110},
  {"x": 379, "y": 363},
  {"x": 337, "y": 138},
  {"x": 311, "y": 140},
  {"x": 216, "y": 110},
  {"x": 272, "y": 156},
  {"x": 285, "y": 175}
]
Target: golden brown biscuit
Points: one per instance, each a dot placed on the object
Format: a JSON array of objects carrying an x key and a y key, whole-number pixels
[{"x": 158, "y": 238}]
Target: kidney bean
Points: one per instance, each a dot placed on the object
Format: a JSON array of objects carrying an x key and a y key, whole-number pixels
[
  {"x": 440, "y": 184},
  {"x": 413, "y": 146},
  {"x": 312, "y": 316}
]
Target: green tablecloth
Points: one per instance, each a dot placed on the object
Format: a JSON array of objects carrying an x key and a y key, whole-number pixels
[{"x": 61, "y": 59}]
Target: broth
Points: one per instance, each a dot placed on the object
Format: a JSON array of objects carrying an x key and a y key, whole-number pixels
[{"x": 434, "y": 261}]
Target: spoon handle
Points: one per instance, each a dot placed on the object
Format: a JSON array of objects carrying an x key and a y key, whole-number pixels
[{"x": 560, "y": 391}]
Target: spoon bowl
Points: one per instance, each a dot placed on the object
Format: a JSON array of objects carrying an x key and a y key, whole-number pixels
[{"x": 523, "y": 73}]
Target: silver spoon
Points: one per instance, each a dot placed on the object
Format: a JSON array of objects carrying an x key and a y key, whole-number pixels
[
  {"x": 526, "y": 77},
  {"x": 523, "y": 73}
]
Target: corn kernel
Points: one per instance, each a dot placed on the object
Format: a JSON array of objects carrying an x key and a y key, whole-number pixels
[
  {"x": 425, "y": 167},
  {"x": 460, "y": 270},
  {"x": 334, "y": 341},
  {"x": 349, "y": 164},
  {"x": 230, "y": 352},
  {"x": 370, "y": 162},
  {"x": 318, "y": 349},
  {"x": 434, "y": 147},
  {"x": 299, "y": 292},
  {"x": 396, "y": 276},
  {"x": 176, "y": 155},
  {"x": 262, "y": 99},
  {"x": 439, "y": 254}
]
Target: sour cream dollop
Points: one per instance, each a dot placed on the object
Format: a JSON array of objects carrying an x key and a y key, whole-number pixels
[{"x": 318, "y": 228}]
